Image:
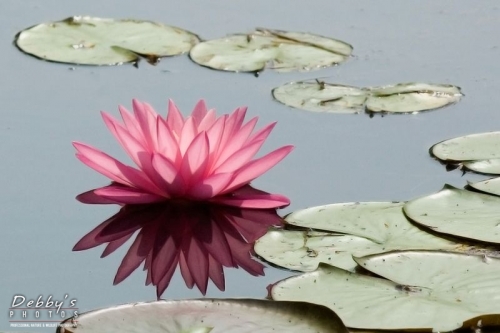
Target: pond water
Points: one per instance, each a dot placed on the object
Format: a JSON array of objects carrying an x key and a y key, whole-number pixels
[{"x": 338, "y": 158}]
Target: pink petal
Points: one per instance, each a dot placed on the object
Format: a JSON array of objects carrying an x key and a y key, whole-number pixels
[
  {"x": 216, "y": 273},
  {"x": 261, "y": 134},
  {"x": 172, "y": 179},
  {"x": 210, "y": 187},
  {"x": 257, "y": 167},
  {"x": 131, "y": 124},
  {"x": 167, "y": 144},
  {"x": 199, "y": 112},
  {"x": 195, "y": 160},
  {"x": 197, "y": 262},
  {"x": 110, "y": 167},
  {"x": 114, "y": 245},
  {"x": 127, "y": 195},
  {"x": 165, "y": 281},
  {"x": 186, "y": 274},
  {"x": 242, "y": 253},
  {"x": 207, "y": 121},
  {"x": 175, "y": 120},
  {"x": 240, "y": 158},
  {"x": 164, "y": 259},
  {"x": 146, "y": 119},
  {"x": 237, "y": 141},
  {"x": 261, "y": 201},
  {"x": 214, "y": 241},
  {"x": 187, "y": 135},
  {"x": 89, "y": 240},
  {"x": 90, "y": 197}
]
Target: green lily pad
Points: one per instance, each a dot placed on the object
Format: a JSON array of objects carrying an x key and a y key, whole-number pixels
[
  {"x": 320, "y": 96},
  {"x": 458, "y": 212},
  {"x": 335, "y": 233},
  {"x": 474, "y": 147},
  {"x": 490, "y": 186},
  {"x": 425, "y": 290},
  {"x": 274, "y": 49},
  {"x": 88, "y": 40},
  {"x": 491, "y": 166},
  {"x": 209, "y": 315},
  {"x": 411, "y": 97}
]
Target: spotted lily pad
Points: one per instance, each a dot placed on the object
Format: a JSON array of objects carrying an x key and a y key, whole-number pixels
[
  {"x": 209, "y": 316},
  {"x": 275, "y": 49},
  {"x": 490, "y": 186},
  {"x": 335, "y": 233},
  {"x": 320, "y": 96},
  {"x": 423, "y": 290},
  {"x": 491, "y": 166},
  {"x": 100, "y": 41},
  {"x": 458, "y": 212}
]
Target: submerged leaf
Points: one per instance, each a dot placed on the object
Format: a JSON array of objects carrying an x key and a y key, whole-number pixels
[
  {"x": 458, "y": 212},
  {"x": 275, "y": 49},
  {"x": 426, "y": 290},
  {"x": 210, "y": 315},
  {"x": 100, "y": 41}
]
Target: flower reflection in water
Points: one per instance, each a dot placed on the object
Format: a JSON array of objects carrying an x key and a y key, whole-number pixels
[{"x": 200, "y": 238}]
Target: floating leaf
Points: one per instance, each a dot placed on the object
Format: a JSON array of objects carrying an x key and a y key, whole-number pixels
[
  {"x": 484, "y": 166},
  {"x": 458, "y": 212},
  {"x": 490, "y": 186},
  {"x": 411, "y": 97},
  {"x": 321, "y": 96},
  {"x": 474, "y": 147},
  {"x": 210, "y": 315},
  {"x": 429, "y": 290},
  {"x": 367, "y": 228},
  {"x": 279, "y": 50},
  {"x": 100, "y": 41}
]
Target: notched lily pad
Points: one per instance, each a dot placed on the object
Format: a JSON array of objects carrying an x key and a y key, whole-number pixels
[
  {"x": 88, "y": 40},
  {"x": 274, "y": 49},
  {"x": 320, "y": 96},
  {"x": 422, "y": 291},
  {"x": 333, "y": 234},
  {"x": 476, "y": 152},
  {"x": 209, "y": 315},
  {"x": 458, "y": 212}
]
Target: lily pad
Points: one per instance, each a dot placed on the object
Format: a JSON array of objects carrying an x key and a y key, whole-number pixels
[
  {"x": 458, "y": 212},
  {"x": 321, "y": 96},
  {"x": 426, "y": 290},
  {"x": 490, "y": 186},
  {"x": 334, "y": 233},
  {"x": 209, "y": 315},
  {"x": 484, "y": 166},
  {"x": 88, "y": 40},
  {"x": 474, "y": 147},
  {"x": 411, "y": 97},
  {"x": 275, "y": 49}
]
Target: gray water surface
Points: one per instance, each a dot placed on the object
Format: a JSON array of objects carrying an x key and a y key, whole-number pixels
[{"x": 338, "y": 158}]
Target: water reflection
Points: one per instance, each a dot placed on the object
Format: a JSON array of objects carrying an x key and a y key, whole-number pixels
[{"x": 200, "y": 238}]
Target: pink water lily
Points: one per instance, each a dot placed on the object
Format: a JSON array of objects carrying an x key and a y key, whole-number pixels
[{"x": 201, "y": 157}]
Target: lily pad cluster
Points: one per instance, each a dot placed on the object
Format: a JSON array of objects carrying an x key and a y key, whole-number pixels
[
  {"x": 432, "y": 263},
  {"x": 85, "y": 40},
  {"x": 209, "y": 316},
  {"x": 320, "y": 96}
]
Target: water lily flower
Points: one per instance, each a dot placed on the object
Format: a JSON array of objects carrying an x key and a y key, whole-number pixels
[
  {"x": 199, "y": 238},
  {"x": 198, "y": 158}
]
